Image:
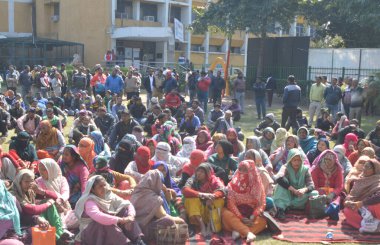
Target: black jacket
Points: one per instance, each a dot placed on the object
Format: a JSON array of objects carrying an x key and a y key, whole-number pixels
[{"x": 146, "y": 84}]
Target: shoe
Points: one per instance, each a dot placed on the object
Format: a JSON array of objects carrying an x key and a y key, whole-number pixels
[
  {"x": 250, "y": 237},
  {"x": 280, "y": 214},
  {"x": 235, "y": 235}
]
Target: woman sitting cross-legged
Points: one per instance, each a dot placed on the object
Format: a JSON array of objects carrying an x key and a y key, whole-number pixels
[
  {"x": 295, "y": 184},
  {"x": 147, "y": 200},
  {"x": 202, "y": 191},
  {"x": 365, "y": 193},
  {"x": 245, "y": 203},
  {"x": 105, "y": 218},
  {"x": 327, "y": 174},
  {"x": 37, "y": 204}
]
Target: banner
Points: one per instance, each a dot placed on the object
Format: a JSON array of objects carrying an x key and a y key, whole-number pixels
[{"x": 178, "y": 30}]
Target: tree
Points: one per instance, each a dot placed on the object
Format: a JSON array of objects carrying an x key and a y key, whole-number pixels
[
  {"x": 356, "y": 21},
  {"x": 259, "y": 16}
]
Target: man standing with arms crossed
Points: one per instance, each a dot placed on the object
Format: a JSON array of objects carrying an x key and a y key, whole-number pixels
[{"x": 316, "y": 96}]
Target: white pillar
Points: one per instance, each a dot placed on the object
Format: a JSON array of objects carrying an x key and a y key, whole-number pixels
[
  {"x": 165, "y": 53},
  {"x": 188, "y": 48},
  {"x": 166, "y": 14},
  {"x": 294, "y": 27},
  {"x": 136, "y": 10},
  {"x": 308, "y": 32},
  {"x": 206, "y": 45},
  {"x": 11, "y": 16},
  {"x": 245, "y": 46},
  {"x": 225, "y": 47},
  {"x": 113, "y": 10}
]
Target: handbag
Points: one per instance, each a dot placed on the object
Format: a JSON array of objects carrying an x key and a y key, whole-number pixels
[
  {"x": 316, "y": 207},
  {"x": 215, "y": 219},
  {"x": 176, "y": 234},
  {"x": 369, "y": 223}
]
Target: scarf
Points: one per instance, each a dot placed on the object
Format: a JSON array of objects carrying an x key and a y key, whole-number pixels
[
  {"x": 123, "y": 155},
  {"x": 196, "y": 158},
  {"x": 21, "y": 144},
  {"x": 162, "y": 152},
  {"x": 167, "y": 181},
  {"x": 188, "y": 146},
  {"x": 342, "y": 122},
  {"x": 86, "y": 151},
  {"x": 296, "y": 179},
  {"x": 267, "y": 143},
  {"x": 102, "y": 168},
  {"x": 309, "y": 143},
  {"x": 48, "y": 139},
  {"x": 349, "y": 137},
  {"x": 142, "y": 159},
  {"x": 234, "y": 141},
  {"x": 55, "y": 178},
  {"x": 327, "y": 170},
  {"x": 279, "y": 139},
  {"x": 98, "y": 139},
  {"x": 247, "y": 187},
  {"x": 146, "y": 198},
  {"x": 8, "y": 208},
  {"x": 212, "y": 183},
  {"x": 23, "y": 198},
  {"x": 365, "y": 187},
  {"x": 207, "y": 142}
]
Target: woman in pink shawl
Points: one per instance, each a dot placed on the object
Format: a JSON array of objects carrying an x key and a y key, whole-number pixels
[
  {"x": 203, "y": 140},
  {"x": 148, "y": 203},
  {"x": 327, "y": 174},
  {"x": 350, "y": 142}
]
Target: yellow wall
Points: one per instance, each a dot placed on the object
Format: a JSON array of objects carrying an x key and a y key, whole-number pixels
[
  {"x": 23, "y": 17},
  {"x": 198, "y": 58}
]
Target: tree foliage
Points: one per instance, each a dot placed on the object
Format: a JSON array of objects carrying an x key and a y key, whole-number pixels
[{"x": 356, "y": 21}]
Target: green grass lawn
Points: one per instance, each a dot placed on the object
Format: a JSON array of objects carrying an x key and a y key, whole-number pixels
[{"x": 248, "y": 122}]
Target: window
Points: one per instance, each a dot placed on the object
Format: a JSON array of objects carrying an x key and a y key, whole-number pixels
[
  {"x": 300, "y": 30},
  {"x": 215, "y": 48},
  {"x": 124, "y": 9},
  {"x": 236, "y": 50},
  {"x": 148, "y": 10},
  {"x": 197, "y": 48},
  {"x": 56, "y": 9},
  {"x": 175, "y": 13}
]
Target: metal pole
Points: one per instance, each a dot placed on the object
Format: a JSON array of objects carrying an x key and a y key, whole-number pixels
[{"x": 360, "y": 64}]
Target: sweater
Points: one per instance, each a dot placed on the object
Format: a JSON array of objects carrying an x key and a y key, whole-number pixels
[
  {"x": 292, "y": 96},
  {"x": 115, "y": 84}
]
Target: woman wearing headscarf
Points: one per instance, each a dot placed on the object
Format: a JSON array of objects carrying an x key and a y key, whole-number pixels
[
  {"x": 9, "y": 166},
  {"x": 215, "y": 139},
  {"x": 75, "y": 169},
  {"x": 322, "y": 145},
  {"x": 355, "y": 172},
  {"x": 9, "y": 217},
  {"x": 364, "y": 193},
  {"x": 253, "y": 142},
  {"x": 339, "y": 125},
  {"x": 350, "y": 142},
  {"x": 237, "y": 145},
  {"x": 245, "y": 203},
  {"x": 151, "y": 144},
  {"x": 222, "y": 161},
  {"x": 369, "y": 151},
  {"x": 104, "y": 217},
  {"x": 266, "y": 139},
  {"x": 203, "y": 190},
  {"x": 23, "y": 148},
  {"x": 280, "y": 156},
  {"x": 123, "y": 156},
  {"x": 203, "y": 140},
  {"x": 141, "y": 165},
  {"x": 279, "y": 139},
  {"x": 188, "y": 145},
  {"x": 327, "y": 174},
  {"x": 354, "y": 156},
  {"x": 166, "y": 134},
  {"x": 49, "y": 138},
  {"x": 27, "y": 193},
  {"x": 86, "y": 150},
  {"x": 340, "y": 151},
  {"x": 101, "y": 148},
  {"x": 196, "y": 158},
  {"x": 174, "y": 163},
  {"x": 307, "y": 142},
  {"x": 148, "y": 203},
  {"x": 295, "y": 184}
]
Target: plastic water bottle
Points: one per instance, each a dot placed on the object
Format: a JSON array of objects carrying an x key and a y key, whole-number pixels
[{"x": 329, "y": 235}]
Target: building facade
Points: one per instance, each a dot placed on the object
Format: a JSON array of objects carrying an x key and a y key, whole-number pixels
[{"x": 138, "y": 32}]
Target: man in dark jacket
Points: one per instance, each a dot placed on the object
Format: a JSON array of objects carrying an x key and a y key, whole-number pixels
[
  {"x": 259, "y": 89},
  {"x": 332, "y": 96},
  {"x": 291, "y": 100},
  {"x": 123, "y": 127},
  {"x": 149, "y": 83},
  {"x": 104, "y": 121},
  {"x": 352, "y": 128},
  {"x": 218, "y": 84},
  {"x": 26, "y": 83},
  {"x": 271, "y": 88}
]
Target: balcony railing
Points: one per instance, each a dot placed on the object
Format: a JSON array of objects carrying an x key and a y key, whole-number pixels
[
  {"x": 135, "y": 23},
  {"x": 51, "y": 1}
]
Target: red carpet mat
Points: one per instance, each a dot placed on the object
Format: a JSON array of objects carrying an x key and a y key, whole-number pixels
[
  {"x": 297, "y": 228},
  {"x": 223, "y": 239}
]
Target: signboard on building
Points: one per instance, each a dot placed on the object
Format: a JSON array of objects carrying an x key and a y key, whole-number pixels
[{"x": 178, "y": 30}]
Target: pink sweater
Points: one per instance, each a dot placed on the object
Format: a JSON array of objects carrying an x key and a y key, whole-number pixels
[{"x": 64, "y": 191}]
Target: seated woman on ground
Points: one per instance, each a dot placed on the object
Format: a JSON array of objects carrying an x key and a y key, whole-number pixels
[
  {"x": 120, "y": 184},
  {"x": 201, "y": 191},
  {"x": 237, "y": 145},
  {"x": 355, "y": 173},
  {"x": 215, "y": 139},
  {"x": 196, "y": 158},
  {"x": 37, "y": 204},
  {"x": 49, "y": 139},
  {"x": 295, "y": 184},
  {"x": 222, "y": 162},
  {"x": 23, "y": 147},
  {"x": 325, "y": 122},
  {"x": 267, "y": 139},
  {"x": 254, "y": 143},
  {"x": 365, "y": 193},
  {"x": 245, "y": 203},
  {"x": 307, "y": 141},
  {"x": 106, "y": 218},
  {"x": 322, "y": 145},
  {"x": 148, "y": 203},
  {"x": 340, "y": 151},
  {"x": 327, "y": 174},
  {"x": 141, "y": 165},
  {"x": 280, "y": 156},
  {"x": 360, "y": 146}
]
